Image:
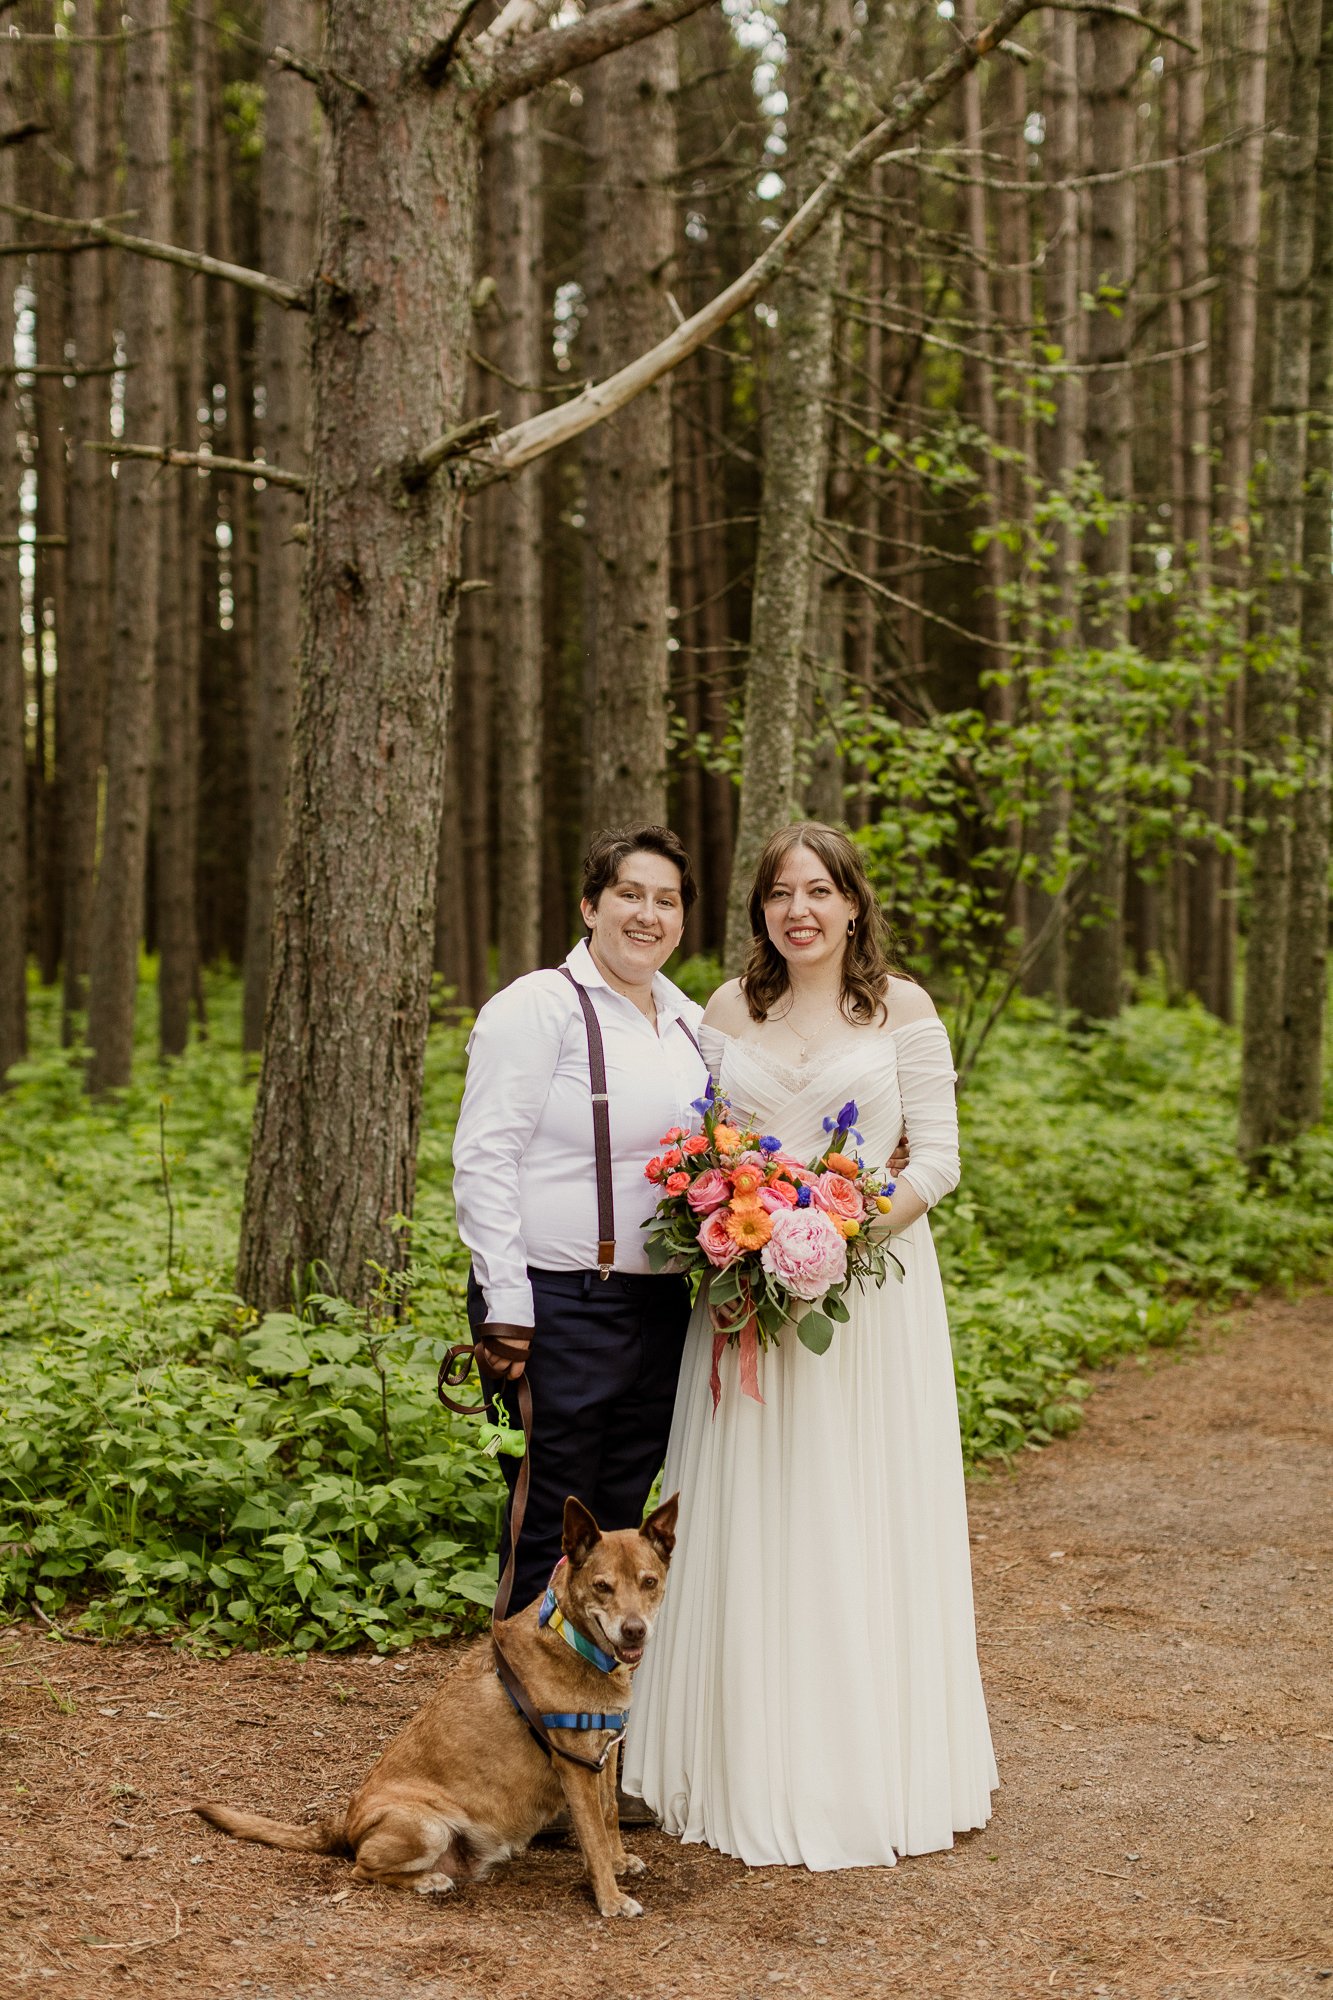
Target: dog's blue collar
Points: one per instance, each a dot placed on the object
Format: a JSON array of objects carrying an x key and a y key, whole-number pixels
[
  {"x": 551, "y": 1614},
  {"x": 584, "y": 1719}
]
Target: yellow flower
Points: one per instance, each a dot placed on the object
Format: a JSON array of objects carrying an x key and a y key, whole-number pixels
[
  {"x": 883, "y": 1203},
  {"x": 849, "y": 1229}
]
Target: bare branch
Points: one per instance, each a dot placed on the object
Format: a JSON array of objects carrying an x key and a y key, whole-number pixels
[
  {"x": 322, "y": 79},
  {"x": 17, "y": 135},
  {"x": 455, "y": 443},
  {"x": 165, "y": 454},
  {"x": 169, "y": 253},
  {"x": 539, "y": 59},
  {"x": 437, "y": 62},
  {"x": 532, "y": 439},
  {"x": 1121, "y": 14}
]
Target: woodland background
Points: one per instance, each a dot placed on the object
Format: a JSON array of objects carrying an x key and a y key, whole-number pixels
[{"x": 994, "y": 523}]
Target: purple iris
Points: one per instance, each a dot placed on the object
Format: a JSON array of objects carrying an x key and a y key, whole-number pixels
[
  {"x": 843, "y": 1126},
  {"x": 703, "y": 1105}
]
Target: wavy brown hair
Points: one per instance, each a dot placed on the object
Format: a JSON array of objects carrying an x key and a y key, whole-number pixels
[{"x": 869, "y": 956}]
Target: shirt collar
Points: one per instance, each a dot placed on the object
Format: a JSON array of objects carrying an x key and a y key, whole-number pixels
[{"x": 670, "y": 1000}]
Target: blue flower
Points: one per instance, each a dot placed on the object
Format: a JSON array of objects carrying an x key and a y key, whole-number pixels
[
  {"x": 803, "y": 1197},
  {"x": 770, "y": 1145},
  {"x": 888, "y": 1187},
  {"x": 703, "y": 1105},
  {"x": 843, "y": 1126}
]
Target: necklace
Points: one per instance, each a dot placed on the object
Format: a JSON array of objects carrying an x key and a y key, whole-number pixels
[{"x": 804, "y": 1040}]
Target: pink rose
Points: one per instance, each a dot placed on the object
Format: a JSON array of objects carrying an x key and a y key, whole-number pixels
[
  {"x": 778, "y": 1194},
  {"x": 838, "y": 1197},
  {"x": 709, "y": 1191},
  {"x": 805, "y": 1253},
  {"x": 718, "y": 1247}
]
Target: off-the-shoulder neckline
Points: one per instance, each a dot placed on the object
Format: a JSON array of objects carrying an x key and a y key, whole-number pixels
[{"x": 903, "y": 1028}]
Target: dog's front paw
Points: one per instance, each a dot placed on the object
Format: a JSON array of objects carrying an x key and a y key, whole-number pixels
[
  {"x": 630, "y": 1864},
  {"x": 622, "y": 1906}
]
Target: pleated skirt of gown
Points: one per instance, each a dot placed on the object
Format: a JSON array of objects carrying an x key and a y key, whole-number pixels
[{"x": 811, "y": 1693}]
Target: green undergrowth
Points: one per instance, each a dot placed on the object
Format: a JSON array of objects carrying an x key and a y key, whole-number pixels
[{"x": 169, "y": 1465}]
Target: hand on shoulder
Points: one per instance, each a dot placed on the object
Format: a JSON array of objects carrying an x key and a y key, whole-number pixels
[
  {"x": 726, "y": 1010},
  {"x": 907, "y": 1002}
]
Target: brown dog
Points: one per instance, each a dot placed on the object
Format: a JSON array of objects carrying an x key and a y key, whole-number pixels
[{"x": 466, "y": 1784}]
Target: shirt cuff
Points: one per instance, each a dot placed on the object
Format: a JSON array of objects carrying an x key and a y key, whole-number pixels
[{"x": 508, "y": 1305}]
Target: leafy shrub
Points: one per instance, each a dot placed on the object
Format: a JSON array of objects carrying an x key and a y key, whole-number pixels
[{"x": 168, "y": 1464}]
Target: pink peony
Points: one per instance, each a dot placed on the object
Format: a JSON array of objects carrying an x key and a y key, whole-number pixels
[
  {"x": 778, "y": 1194},
  {"x": 718, "y": 1247},
  {"x": 805, "y": 1253},
  {"x": 839, "y": 1198},
  {"x": 709, "y": 1192}
]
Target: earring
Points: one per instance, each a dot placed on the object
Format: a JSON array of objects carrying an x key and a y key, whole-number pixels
[{"x": 851, "y": 926}]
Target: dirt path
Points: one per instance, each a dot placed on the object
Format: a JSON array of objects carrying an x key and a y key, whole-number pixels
[{"x": 1153, "y": 1600}]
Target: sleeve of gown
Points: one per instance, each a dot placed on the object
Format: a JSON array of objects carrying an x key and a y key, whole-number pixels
[{"x": 930, "y": 1116}]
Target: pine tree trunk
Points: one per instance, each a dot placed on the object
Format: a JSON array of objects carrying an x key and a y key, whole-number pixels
[
  {"x": 286, "y": 231},
  {"x": 175, "y": 814},
  {"x": 818, "y": 33},
  {"x": 13, "y": 692},
  {"x": 1094, "y": 953},
  {"x": 513, "y": 177},
  {"x": 333, "y": 1158},
  {"x": 1301, "y": 1082},
  {"x": 631, "y": 228},
  {"x": 1274, "y": 692},
  {"x": 83, "y": 658},
  {"x": 46, "y": 397},
  {"x": 145, "y": 318},
  {"x": 1238, "y": 378}
]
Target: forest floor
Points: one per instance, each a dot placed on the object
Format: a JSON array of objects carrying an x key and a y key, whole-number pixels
[{"x": 1153, "y": 1607}]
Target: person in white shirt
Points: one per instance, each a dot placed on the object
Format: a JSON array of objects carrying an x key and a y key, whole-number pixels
[{"x": 559, "y": 1287}]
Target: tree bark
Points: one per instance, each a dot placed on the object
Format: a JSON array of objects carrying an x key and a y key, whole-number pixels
[
  {"x": 1301, "y": 1079},
  {"x": 83, "y": 662},
  {"x": 631, "y": 221},
  {"x": 286, "y": 244},
  {"x": 175, "y": 815},
  {"x": 1232, "y": 505},
  {"x": 333, "y": 1158},
  {"x": 1274, "y": 691},
  {"x": 13, "y": 692},
  {"x": 818, "y": 35},
  {"x": 145, "y": 318},
  {"x": 1094, "y": 950},
  {"x": 513, "y": 178}
]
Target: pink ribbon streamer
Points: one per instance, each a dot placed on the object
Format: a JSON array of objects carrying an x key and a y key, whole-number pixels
[{"x": 727, "y": 1323}]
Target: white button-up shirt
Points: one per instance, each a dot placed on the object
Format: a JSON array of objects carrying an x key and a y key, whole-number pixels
[{"x": 525, "y": 1167}]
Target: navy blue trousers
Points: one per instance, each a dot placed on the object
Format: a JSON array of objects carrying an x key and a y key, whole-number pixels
[{"x": 603, "y": 1366}]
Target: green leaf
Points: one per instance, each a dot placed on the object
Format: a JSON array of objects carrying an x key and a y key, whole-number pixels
[{"x": 815, "y": 1332}]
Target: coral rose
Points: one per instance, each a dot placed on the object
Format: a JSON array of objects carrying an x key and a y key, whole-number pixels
[
  {"x": 805, "y": 1253},
  {"x": 710, "y": 1191},
  {"x": 715, "y": 1242},
  {"x": 839, "y": 1198},
  {"x": 677, "y": 1183},
  {"x": 696, "y": 1143}
]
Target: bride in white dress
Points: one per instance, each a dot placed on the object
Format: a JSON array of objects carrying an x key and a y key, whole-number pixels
[{"x": 811, "y": 1694}]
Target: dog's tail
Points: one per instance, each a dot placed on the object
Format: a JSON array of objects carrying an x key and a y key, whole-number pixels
[{"x": 326, "y": 1836}]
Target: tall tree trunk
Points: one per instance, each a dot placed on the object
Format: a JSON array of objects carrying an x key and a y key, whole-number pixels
[
  {"x": 1274, "y": 691},
  {"x": 1301, "y": 1081},
  {"x": 333, "y": 1158},
  {"x": 1238, "y": 377},
  {"x": 286, "y": 232},
  {"x": 13, "y": 692},
  {"x": 1061, "y": 452},
  {"x": 992, "y": 619},
  {"x": 631, "y": 225},
  {"x": 145, "y": 318},
  {"x": 1094, "y": 949},
  {"x": 83, "y": 660},
  {"x": 512, "y": 172},
  {"x": 176, "y": 809},
  {"x": 818, "y": 38}
]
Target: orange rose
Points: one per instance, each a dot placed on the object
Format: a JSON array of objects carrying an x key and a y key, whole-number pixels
[
  {"x": 697, "y": 1143},
  {"x": 677, "y": 1183}
]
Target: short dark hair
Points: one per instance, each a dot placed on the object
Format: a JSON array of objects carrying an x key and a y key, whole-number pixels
[{"x": 609, "y": 850}]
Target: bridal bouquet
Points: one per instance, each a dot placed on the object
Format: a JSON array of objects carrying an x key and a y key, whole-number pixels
[{"x": 778, "y": 1239}]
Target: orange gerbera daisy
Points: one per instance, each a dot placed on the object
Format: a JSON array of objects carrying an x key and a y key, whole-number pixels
[
  {"x": 750, "y": 1229},
  {"x": 726, "y": 1138}
]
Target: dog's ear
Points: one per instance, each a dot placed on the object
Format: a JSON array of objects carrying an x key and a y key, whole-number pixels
[
  {"x": 581, "y": 1533},
  {"x": 660, "y": 1527}
]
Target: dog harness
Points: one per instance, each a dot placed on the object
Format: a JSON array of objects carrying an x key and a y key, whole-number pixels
[{"x": 606, "y": 1663}]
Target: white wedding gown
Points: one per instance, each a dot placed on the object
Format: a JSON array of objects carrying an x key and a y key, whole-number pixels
[{"x": 811, "y": 1692}]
